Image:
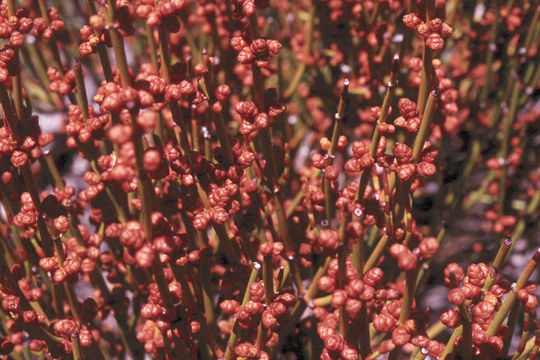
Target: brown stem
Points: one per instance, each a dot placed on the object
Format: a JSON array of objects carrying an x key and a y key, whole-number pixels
[
  {"x": 268, "y": 278},
  {"x": 223, "y": 137},
  {"x": 81, "y": 90},
  {"x": 101, "y": 48}
]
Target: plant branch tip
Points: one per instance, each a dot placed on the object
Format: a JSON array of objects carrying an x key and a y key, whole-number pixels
[{"x": 395, "y": 64}]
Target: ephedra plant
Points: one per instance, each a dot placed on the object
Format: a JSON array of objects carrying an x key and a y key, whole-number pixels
[{"x": 269, "y": 179}]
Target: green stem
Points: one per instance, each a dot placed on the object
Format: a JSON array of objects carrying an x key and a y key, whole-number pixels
[
  {"x": 498, "y": 263},
  {"x": 406, "y": 306},
  {"x": 449, "y": 347},
  {"x": 375, "y": 254},
  {"x": 427, "y": 66},
  {"x": 118, "y": 45},
  {"x": 507, "y": 127},
  {"x": 491, "y": 49},
  {"x": 48, "y": 161},
  {"x": 340, "y": 116},
  {"x": 512, "y": 295},
  {"x": 376, "y": 137},
  {"x": 531, "y": 347},
  {"x": 524, "y": 334},
  {"x": 76, "y": 348},
  {"x": 511, "y": 323},
  {"x": 306, "y": 300},
  {"x": 424, "y": 126},
  {"x": 307, "y": 51},
  {"x": 233, "y": 336}
]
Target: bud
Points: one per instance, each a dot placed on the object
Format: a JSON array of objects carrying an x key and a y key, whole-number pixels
[
  {"x": 48, "y": 264},
  {"x": 219, "y": 215},
  {"x": 328, "y": 239},
  {"x": 222, "y": 93},
  {"x": 407, "y": 108},
  {"x": 19, "y": 159},
  {"x": 151, "y": 311},
  {"x": 273, "y": 46},
  {"x": 269, "y": 321},
  {"x": 411, "y": 21},
  {"x": 72, "y": 266},
  {"x": 408, "y": 261},
  {"x": 145, "y": 256},
  {"x": 331, "y": 173},
  {"x": 256, "y": 291},
  {"x": 238, "y": 43},
  {"x": 450, "y": 318},
  {"x": 400, "y": 336},
  {"x": 428, "y": 247},
  {"x": 366, "y": 162},
  {"x": 426, "y": 169},
  {"x": 471, "y": 291},
  {"x": 339, "y": 297},
  {"x": 327, "y": 284},
  {"x": 373, "y": 276},
  {"x": 59, "y": 276},
  {"x": 384, "y": 323},
  {"x": 406, "y": 171},
  {"x": 245, "y": 56},
  {"x": 446, "y": 30},
  {"x": 258, "y": 46},
  {"x": 248, "y": 8},
  {"x": 334, "y": 343},
  {"x": 229, "y": 307},
  {"x": 360, "y": 148},
  {"x": 152, "y": 160},
  {"x": 402, "y": 152},
  {"x": 434, "y": 41},
  {"x": 61, "y": 224}
]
